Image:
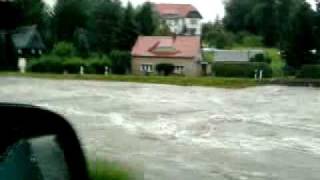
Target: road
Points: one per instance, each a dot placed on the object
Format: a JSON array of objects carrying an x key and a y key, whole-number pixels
[{"x": 187, "y": 133}]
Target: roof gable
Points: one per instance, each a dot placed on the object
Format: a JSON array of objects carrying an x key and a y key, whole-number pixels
[
  {"x": 167, "y": 46},
  {"x": 180, "y": 10},
  {"x": 27, "y": 37}
]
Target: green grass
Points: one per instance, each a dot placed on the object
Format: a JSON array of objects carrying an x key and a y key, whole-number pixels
[
  {"x": 104, "y": 170},
  {"x": 171, "y": 80}
]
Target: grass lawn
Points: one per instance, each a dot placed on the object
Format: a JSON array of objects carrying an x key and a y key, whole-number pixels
[
  {"x": 171, "y": 80},
  {"x": 103, "y": 170}
]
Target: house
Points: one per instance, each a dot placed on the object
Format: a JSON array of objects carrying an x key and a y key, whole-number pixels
[
  {"x": 237, "y": 56},
  {"x": 184, "y": 52},
  {"x": 182, "y": 19},
  {"x": 28, "y": 42}
]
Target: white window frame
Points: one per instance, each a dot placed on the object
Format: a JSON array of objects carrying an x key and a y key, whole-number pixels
[
  {"x": 179, "y": 69},
  {"x": 146, "y": 68}
]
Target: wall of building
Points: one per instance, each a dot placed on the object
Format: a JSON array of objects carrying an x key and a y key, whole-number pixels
[
  {"x": 193, "y": 23},
  {"x": 191, "y": 66},
  {"x": 178, "y": 25}
]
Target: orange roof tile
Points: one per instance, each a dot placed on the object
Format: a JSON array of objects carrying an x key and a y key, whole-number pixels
[
  {"x": 179, "y": 47},
  {"x": 178, "y": 9}
]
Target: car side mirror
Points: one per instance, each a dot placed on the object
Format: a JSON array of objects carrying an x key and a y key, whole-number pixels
[{"x": 36, "y": 144}]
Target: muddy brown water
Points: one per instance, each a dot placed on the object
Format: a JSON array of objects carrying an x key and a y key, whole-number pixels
[{"x": 187, "y": 133}]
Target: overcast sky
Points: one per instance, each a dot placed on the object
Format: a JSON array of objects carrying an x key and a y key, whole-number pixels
[{"x": 208, "y": 8}]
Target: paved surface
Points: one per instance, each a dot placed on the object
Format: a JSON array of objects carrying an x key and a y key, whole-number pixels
[{"x": 188, "y": 133}]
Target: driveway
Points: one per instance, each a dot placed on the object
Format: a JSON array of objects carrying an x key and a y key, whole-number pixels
[{"x": 187, "y": 133}]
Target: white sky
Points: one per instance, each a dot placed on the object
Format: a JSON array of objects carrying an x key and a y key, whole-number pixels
[{"x": 208, "y": 8}]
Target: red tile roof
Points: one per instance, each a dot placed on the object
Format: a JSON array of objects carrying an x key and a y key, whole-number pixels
[
  {"x": 167, "y": 46},
  {"x": 179, "y": 9}
]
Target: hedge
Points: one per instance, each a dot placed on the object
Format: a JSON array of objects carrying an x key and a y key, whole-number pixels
[
  {"x": 261, "y": 58},
  {"x": 73, "y": 65},
  {"x": 245, "y": 70},
  {"x": 309, "y": 71},
  {"x": 46, "y": 64},
  {"x": 54, "y": 64}
]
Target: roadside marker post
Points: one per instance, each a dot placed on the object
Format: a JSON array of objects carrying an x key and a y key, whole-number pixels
[
  {"x": 81, "y": 70},
  {"x": 106, "y": 72},
  {"x": 22, "y": 64},
  {"x": 261, "y": 75}
]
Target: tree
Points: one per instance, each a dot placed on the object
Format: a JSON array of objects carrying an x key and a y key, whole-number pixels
[
  {"x": 128, "y": 29},
  {"x": 32, "y": 11},
  {"x": 215, "y": 35},
  {"x": 106, "y": 25},
  {"x": 81, "y": 43},
  {"x": 69, "y": 15},
  {"x": 146, "y": 19},
  {"x": 301, "y": 39},
  {"x": 266, "y": 18}
]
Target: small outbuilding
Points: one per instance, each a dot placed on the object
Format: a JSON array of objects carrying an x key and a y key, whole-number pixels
[{"x": 28, "y": 42}]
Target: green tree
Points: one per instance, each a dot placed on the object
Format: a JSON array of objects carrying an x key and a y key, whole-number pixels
[
  {"x": 106, "y": 25},
  {"x": 81, "y": 43},
  {"x": 68, "y": 16},
  {"x": 146, "y": 19},
  {"x": 301, "y": 39},
  {"x": 215, "y": 35},
  {"x": 128, "y": 29}
]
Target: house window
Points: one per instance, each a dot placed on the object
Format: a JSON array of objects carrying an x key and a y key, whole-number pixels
[
  {"x": 179, "y": 69},
  {"x": 146, "y": 68},
  {"x": 40, "y": 52},
  {"x": 194, "y": 21},
  {"x": 20, "y": 51},
  {"x": 33, "y": 51}
]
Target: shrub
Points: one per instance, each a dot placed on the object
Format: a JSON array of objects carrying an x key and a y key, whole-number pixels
[
  {"x": 120, "y": 61},
  {"x": 50, "y": 64},
  {"x": 63, "y": 49},
  {"x": 72, "y": 65},
  {"x": 97, "y": 66},
  {"x": 241, "y": 69},
  {"x": 261, "y": 58},
  {"x": 252, "y": 41},
  {"x": 309, "y": 71},
  {"x": 165, "y": 69}
]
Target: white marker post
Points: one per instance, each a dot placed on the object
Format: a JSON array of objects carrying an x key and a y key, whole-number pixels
[
  {"x": 22, "y": 64},
  {"x": 261, "y": 75},
  {"x": 256, "y": 74},
  {"x": 81, "y": 70},
  {"x": 106, "y": 71}
]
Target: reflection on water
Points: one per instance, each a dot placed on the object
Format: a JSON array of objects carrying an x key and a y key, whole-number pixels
[{"x": 34, "y": 159}]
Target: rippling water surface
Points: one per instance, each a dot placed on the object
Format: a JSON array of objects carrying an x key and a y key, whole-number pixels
[{"x": 172, "y": 132}]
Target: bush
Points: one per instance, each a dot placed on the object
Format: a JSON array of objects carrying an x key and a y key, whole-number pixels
[
  {"x": 72, "y": 65},
  {"x": 165, "y": 69},
  {"x": 241, "y": 69},
  {"x": 48, "y": 64},
  {"x": 309, "y": 71},
  {"x": 261, "y": 58},
  {"x": 252, "y": 41},
  {"x": 120, "y": 62},
  {"x": 97, "y": 66},
  {"x": 63, "y": 49}
]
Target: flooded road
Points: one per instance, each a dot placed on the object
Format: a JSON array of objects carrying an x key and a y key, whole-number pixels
[{"x": 187, "y": 133}]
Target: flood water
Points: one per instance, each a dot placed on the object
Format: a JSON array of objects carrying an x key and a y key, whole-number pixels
[{"x": 187, "y": 133}]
